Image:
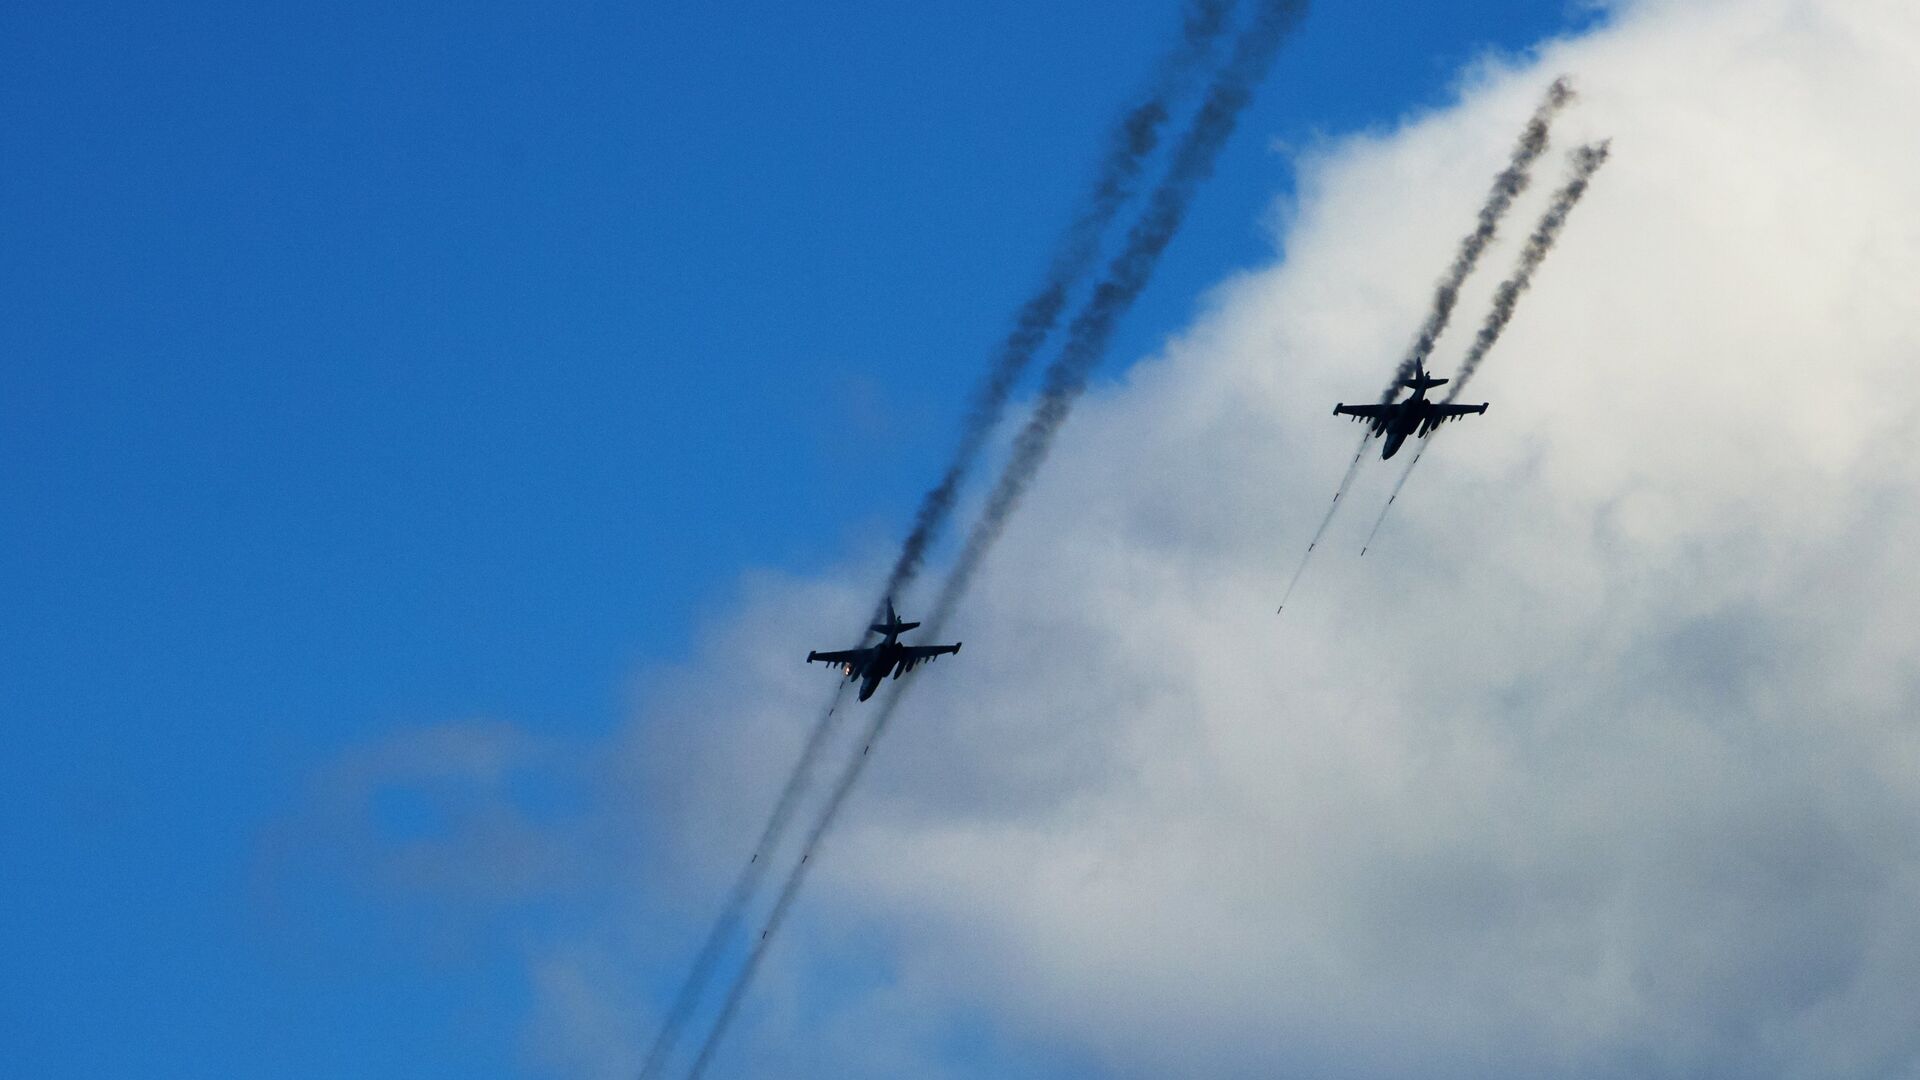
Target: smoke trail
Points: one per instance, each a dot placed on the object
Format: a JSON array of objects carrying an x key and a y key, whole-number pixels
[
  {"x": 1129, "y": 147},
  {"x": 1506, "y": 188},
  {"x": 795, "y": 878},
  {"x": 1131, "y": 143},
  {"x": 744, "y": 886},
  {"x": 1398, "y": 484},
  {"x": 1585, "y": 162},
  {"x": 1345, "y": 481},
  {"x": 1126, "y": 276}
]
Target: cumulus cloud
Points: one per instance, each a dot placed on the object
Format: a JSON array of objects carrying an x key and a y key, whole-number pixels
[{"x": 1604, "y": 763}]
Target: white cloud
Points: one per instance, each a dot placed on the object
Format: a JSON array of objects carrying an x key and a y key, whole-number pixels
[{"x": 1605, "y": 763}]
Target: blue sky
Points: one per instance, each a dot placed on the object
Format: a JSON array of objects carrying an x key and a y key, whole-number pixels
[{"x": 373, "y": 366}]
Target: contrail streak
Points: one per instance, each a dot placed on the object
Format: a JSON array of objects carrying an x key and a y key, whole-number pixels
[
  {"x": 1586, "y": 161},
  {"x": 1131, "y": 143},
  {"x": 1345, "y": 481},
  {"x": 795, "y": 878},
  {"x": 1397, "y": 485},
  {"x": 744, "y": 886},
  {"x": 1088, "y": 336},
  {"x": 1129, "y": 146},
  {"x": 1127, "y": 274},
  {"x": 1507, "y": 187}
]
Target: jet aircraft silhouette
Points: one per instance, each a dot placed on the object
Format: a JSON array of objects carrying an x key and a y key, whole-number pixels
[
  {"x": 888, "y": 656},
  {"x": 1414, "y": 416}
]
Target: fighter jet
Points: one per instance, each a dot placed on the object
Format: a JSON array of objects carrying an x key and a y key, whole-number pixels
[
  {"x": 1414, "y": 416},
  {"x": 886, "y": 657}
]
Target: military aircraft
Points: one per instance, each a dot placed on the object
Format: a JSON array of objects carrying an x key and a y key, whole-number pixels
[
  {"x": 1415, "y": 416},
  {"x": 886, "y": 657}
]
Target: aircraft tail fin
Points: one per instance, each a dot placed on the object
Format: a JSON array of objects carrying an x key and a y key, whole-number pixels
[
  {"x": 893, "y": 626},
  {"x": 1421, "y": 380}
]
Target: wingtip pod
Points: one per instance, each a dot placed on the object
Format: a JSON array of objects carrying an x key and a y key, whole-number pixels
[{"x": 811, "y": 656}]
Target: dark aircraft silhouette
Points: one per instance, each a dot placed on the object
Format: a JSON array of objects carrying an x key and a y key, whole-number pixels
[
  {"x": 886, "y": 657},
  {"x": 1415, "y": 416}
]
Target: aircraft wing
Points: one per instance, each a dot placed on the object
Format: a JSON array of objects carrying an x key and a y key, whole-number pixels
[
  {"x": 847, "y": 659},
  {"x": 1443, "y": 413},
  {"x": 918, "y": 653},
  {"x": 1360, "y": 412}
]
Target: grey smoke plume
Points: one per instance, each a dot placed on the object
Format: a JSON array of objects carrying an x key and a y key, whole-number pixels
[
  {"x": 1131, "y": 143},
  {"x": 1585, "y": 162},
  {"x": 1395, "y": 494},
  {"x": 745, "y": 885},
  {"x": 796, "y": 877},
  {"x": 1129, "y": 147},
  {"x": 1507, "y": 187},
  {"x": 1126, "y": 275},
  {"x": 1353, "y": 469}
]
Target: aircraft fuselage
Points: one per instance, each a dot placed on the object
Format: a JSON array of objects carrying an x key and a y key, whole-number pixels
[
  {"x": 886, "y": 661},
  {"x": 1404, "y": 421}
]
